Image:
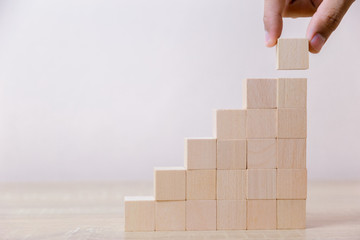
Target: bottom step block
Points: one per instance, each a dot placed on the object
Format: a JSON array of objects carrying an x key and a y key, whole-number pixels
[
  {"x": 261, "y": 214},
  {"x": 291, "y": 214},
  {"x": 231, "y": 214},
  {"x": 201, "y": 215},
  {"x": 139, "y": 214},
  {"x": 170, "y": 215}
]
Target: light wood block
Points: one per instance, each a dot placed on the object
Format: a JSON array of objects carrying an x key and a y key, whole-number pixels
[
  {"x": 200, "y": 153},
  {"x": 291, "y": 214},
  {"x": 292, "y": 54},
  {"x": 231, "y": 184},
  {"x": 231, "y": 154},
  {"x": 291, "y": 123},
  {"x": 261, "y": 183},
  {"x": 139, "y": 214},
  {"x": 170, "y": 215},
  {"x": 259, "y": 93},
  {"x": 291, "y": 184},
  {"x": 261, "y": 214},
  {"x": 291, "y": 153},
  {"x": 201, "y": 215},
  {"x": 292, "y": 92},
  {"x": 231, "y": 214},
  {"x": 170, "y": 183},
  {"x": 230, "y": 124},
  {"x": 261, "y": 123},
  {"x": 201, "y": 184},
  {"x": 261, "y": 153}
]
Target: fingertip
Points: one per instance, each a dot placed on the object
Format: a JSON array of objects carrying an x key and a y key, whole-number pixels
[
  {"x": 316, "y": 43},
  {"x": 269, "y": 40}
]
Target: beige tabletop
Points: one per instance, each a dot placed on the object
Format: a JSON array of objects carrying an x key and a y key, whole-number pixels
[{"x": 95, "y": 211}]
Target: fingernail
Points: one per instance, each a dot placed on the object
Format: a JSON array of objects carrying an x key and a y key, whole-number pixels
[
  {"x": 317, "y": 42},
  {"x": 267, "y": 39}
]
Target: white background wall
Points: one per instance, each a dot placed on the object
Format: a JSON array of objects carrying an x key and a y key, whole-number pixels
[{"x": 106, "y": 90}]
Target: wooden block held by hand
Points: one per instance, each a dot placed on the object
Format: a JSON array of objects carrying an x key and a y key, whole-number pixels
[
  {"x": 292, "y": 54},
  {"x": 291, "y": 153},
  {"x": 200, "y": 153},
  {"x": 139, "y": 214},
  {"x": 291, "y": 214},
  {"x": 292, "y": 92},
  {"x": 230, "y": 124},
  {"x": 292, "y": 123},
  {"x": 261, "y": 214},
  {"x": 231, "y": 214},
  {"x": 261, "y": 123},
  {"x": 201, "y": 184},
  {"x": 201, "y": 215},
  {"x": 259, "y": 93},
  {"x": 170, "y": 215},
  {"x": 261, "y": 183},
  {"x": 231, "y": 154},
  {"x": 261, "y": 153},
  {"x": 231, "y": 184},
  {"x": 291, "y": 183},
  {"x": 170, "y": 183}
]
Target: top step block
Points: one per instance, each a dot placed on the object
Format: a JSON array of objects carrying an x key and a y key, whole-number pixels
[
  {"x": 259, "y": 93},
  {"x": 292, "y": 54}
]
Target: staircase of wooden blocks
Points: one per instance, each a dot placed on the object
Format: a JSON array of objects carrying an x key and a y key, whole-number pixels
[{"x": 251, "y": 175}]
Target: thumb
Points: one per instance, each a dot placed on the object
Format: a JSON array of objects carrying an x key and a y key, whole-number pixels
[{"x": 325, "y": 20}]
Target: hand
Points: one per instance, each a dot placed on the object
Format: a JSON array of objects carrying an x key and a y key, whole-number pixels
[{"x": 326, "y": 16}]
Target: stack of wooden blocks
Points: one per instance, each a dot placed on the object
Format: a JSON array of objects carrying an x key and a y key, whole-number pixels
[{"x": 252, "y": 175}]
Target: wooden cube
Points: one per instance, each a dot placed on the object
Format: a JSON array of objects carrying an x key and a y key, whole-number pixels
[
  {"x": 231, "y": 154},
  {"x": 170, "y": 183},
  {"x": 261, "y": 214},
  {"x": 292, "y": 92},
  {"x": 292, "y": 123},
  {"x": 292, "y": 54},
  {"x": 291, "y": 153},
  {"x": 139, "y": 214},
  {"x": 201, "y": 215},
  {"x": 201, "y": 184},
  {"x": 291, "y": 184},
  {"x": 261, "y": 153},
  {"x": 291, "y": 214},
  {"x": 259, "y": 93},
  {"x": 231, "y": 184},
  {"x": 231, "y": 214},
  {"x": 230, "y": 124},
  {"x": 261, "y": 183},
  {"x": 200, "y": 153},
  {"x": 261, "y": 123},
  {"x": 170, "y": 215}
]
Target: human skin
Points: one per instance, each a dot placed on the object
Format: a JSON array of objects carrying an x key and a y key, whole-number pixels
[{"x": 326, "y": 16}]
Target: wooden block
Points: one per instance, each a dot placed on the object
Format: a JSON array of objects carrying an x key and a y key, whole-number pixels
[
  {"x": 261, "y": 183},
  {"x": 139, "y": 214},
  {"x": 170, "y": 215},
  {"x": 201, "y": 215},
  {"x": 292, "y": 92},
  {"x": 261, "y": 214},
  {"x": 201, "y": 184},
  {"x": 231, "y": 184},
  {"x": 200, "y": 153},
  {"x": 231, "y": 214},
  {"x": 291, "y": 214},
  {"x": 291, "y": 183},
  {"x": 231, "y": 154},
  {"x": 292, "y": 54},
  {"x": 261, "y": 153},
  {"x": 230, "y": 124},
  {"x": 170, "y": 183},
  {"x": 292, "y": 123},
  {"x": 291, "y": 153},
  {"x": 259, "y": 93},
  {"x": 261, "y": 123}
]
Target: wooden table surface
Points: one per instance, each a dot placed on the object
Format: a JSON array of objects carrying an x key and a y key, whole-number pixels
[{"x": 95, "y": 211}]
